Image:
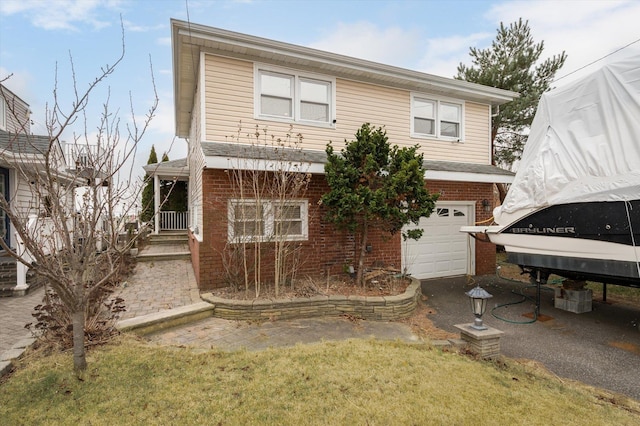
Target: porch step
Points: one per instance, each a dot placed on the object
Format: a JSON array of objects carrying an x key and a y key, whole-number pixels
[
  {"x": 152, "y": 257},
  {"x": 8, "y": 280},
  {"x": 6, "y": 290},
  {"x": 169, "y": 237},
  {"x": 169, "y": 240}
]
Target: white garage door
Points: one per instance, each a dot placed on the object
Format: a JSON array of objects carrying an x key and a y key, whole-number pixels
[{"x": 443, "y": 250}]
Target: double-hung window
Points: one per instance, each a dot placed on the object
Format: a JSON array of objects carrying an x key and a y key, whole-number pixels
[
  {"x": 268, "y": 220},
  {"x": 436, "y": 118},
  {"x": 290, "y": 96}
]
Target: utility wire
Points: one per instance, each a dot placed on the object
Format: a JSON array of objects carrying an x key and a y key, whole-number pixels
[{"x": 597, "y": 60}]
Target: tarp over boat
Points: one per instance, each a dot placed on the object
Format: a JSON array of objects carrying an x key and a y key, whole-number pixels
[{"x": 584, "y": 144}]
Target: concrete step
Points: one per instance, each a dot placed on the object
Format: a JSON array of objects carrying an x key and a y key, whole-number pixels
[
  {"x": 153, "y": 257},
  {"x": 6, "y": 290},
  {"x": 169, "y": 240},
  {"x": 169, "y": 237},
  {"x": 167, "y": 318}
]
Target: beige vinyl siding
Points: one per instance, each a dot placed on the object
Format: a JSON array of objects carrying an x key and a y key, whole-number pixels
[
  {"x": 477, "y": 132},
  {"x": 230, "y": 97},
  {"x": 196, "y": 164}
]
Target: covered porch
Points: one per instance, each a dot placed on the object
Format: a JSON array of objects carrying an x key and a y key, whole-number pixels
[{"x": 170, "y": 198}]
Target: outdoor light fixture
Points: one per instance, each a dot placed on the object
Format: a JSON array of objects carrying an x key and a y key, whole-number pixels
[
  {"x": 478, "y": 298},
  {"x": 486, "y": 205}
]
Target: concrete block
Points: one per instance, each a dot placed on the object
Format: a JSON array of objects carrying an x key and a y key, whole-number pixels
[
  {"x": 576, "y": 301},
  {"x": 485, "y": 343}
]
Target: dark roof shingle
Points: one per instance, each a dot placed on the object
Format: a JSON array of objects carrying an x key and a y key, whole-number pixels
[
  {"x": 23, "y": 144},
  {"x": 235, "y": 150}
]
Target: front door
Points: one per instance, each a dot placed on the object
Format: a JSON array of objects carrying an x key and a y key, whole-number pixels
[{"x": 4, "y": 219}]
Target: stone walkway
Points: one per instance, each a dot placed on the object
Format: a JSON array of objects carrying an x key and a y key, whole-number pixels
[
  {"x": 233, "y": 335},
  {"x": 15, "y": 312},
  {"x": 160, "y": 285}
]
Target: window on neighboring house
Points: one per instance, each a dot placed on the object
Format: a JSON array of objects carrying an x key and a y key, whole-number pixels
[
  {"x": 47, "y": 206},
  {"x": 253, "y": 220},
  {"x": 3, "y": 114},
  {"x": 436, "y": 118},
  {"x": 294, "y": 97}
]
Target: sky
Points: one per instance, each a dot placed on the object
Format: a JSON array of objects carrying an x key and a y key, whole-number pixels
[{"x": 38, "y": 39}]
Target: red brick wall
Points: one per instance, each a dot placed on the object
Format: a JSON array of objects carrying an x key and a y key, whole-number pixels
[
  {"x": 326, "y": 250},
  {"x": 470, "y": 191}
]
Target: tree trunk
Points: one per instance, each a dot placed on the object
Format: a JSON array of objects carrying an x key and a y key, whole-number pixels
[
  {"x": 363, "y": 250},
  {"x": 502, "y": 191},
  {"x": 79, "y": 359}
]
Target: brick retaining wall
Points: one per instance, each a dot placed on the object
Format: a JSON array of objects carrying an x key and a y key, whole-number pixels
[{"x": 387, "y": 308}]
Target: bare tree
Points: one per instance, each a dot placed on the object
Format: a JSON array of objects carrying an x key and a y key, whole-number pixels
[
  {"x": 269, "y": 180},
  {"x": 68, "y": 232}
]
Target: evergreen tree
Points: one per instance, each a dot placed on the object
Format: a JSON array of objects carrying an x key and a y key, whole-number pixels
[
  {"x": 512, "y": 63},
  {"x": 147, "y": 193},
  {"x": 375, "y": 186}
]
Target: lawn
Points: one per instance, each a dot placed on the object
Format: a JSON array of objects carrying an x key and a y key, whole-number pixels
[{"x": 351, "y": 382}]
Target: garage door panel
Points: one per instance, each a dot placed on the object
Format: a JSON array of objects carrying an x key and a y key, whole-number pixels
[{"x": 443, "y": 250}]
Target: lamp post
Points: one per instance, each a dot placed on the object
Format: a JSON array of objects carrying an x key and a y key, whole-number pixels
[{"x": 478, "y": 298}]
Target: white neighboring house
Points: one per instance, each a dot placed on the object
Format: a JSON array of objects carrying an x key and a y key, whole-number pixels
[{"x": 22, "y": 157}]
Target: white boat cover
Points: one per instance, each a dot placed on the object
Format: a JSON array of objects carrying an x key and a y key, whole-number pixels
[{"x": 584, "y": 144}]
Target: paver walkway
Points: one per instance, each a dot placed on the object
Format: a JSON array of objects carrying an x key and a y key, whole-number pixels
[
  {"x": 160, "y": 285},
  {"x": 233, "y": 335},
  {"x": 15, "y": 312}
]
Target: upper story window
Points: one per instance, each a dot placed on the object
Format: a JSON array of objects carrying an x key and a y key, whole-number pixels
[
  {"x": 290, "y": 96},
  {"x": 436, "y": 118}
]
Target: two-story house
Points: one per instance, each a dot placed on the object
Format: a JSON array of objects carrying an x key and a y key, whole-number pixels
[
  {"x": 22, "y": 164},
  {"x": 223, "y": 78}
]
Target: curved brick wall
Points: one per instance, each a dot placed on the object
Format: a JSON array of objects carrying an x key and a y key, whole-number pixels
[{"x": 370, "y": 308}]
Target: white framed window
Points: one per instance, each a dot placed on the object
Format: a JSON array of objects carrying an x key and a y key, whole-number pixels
[
  {"x": 3, "y": 114},
  {"x": 276, "y": 95},
  {"x": 285, "y": 95},
  {"x": 266, "y": 220},
  {"x": 436, "y": 118}
]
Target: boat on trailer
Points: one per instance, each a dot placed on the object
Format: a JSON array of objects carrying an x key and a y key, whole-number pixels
[{"x": 573, "y": 208}]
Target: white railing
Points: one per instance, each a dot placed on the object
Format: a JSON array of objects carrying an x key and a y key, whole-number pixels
[
  {"x": 174, "y": 221},
  {"x": 21, "y": 250},
  {"x": 41, "y": 229},
  {"x": 80, "y": 156}
]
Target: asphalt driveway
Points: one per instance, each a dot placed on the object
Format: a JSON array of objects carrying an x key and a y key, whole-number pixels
[{"x": 600, "y": 348}]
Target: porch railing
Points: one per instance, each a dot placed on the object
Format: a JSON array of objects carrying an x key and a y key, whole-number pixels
[
  {"x": 44, "y": 232},
  {"x": 174, "y": 221}
]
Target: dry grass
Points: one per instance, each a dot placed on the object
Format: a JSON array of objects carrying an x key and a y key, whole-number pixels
[{"x": 350, "y": 382}]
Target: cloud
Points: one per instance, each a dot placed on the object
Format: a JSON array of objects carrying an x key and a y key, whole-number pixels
[
  {"x": 163, "y": 41},
  {"x": 130, "y": 26},
  {"x": 60, "y": 14},
  {"x": 441, "y": 56},
  {"x": 585, "y": 30},
  {"x": 367, "y": 41},
  {"x": 163, "y": 120}
]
